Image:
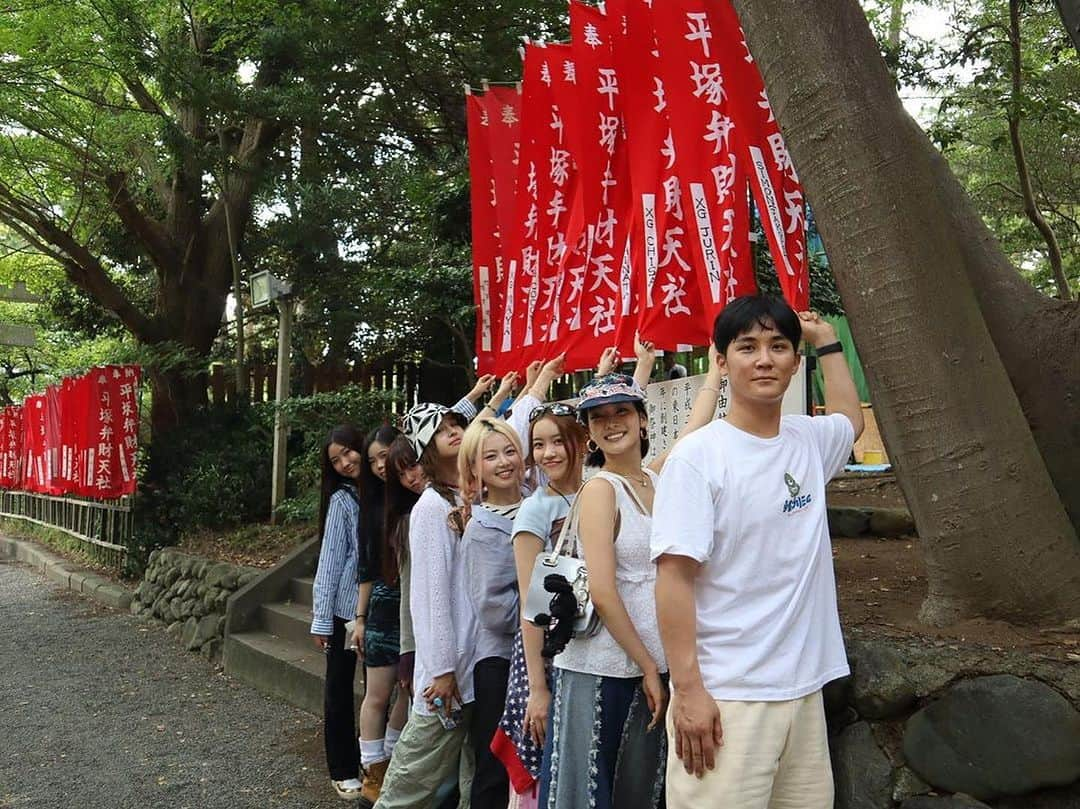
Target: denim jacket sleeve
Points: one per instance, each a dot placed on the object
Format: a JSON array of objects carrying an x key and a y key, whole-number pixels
[{"x": 492, "y": 578}]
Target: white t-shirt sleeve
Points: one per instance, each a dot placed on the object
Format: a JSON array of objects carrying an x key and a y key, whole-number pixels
[
  {"x": 684, "y": 517},
  {"x": 533, "y": 517},
  {"x": 520, "y": 411},
  {"x": 834, "y": 436}
]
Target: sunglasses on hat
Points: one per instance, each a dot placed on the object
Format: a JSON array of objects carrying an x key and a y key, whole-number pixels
[{"x": 554, "y": 408}]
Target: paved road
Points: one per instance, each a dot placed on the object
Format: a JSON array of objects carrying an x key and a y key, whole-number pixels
[{"x": 99, "y": 710}]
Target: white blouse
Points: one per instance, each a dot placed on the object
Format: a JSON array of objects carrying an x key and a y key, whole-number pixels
[{"x": 635, "y": 581}]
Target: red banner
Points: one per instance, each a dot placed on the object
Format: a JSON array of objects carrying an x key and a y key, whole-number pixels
[
  {"x": 35, "y": 413},
  {"x": 776, "y": 186},
  {"x": 111, "y": 438},
  {"x": 629, "y": 210},
  {"x": 485, "y": 231},
  {"x": 597, "y": 299},
  {"x": 502, "y": 106},
  {"x": 672, "y": 312},
  {"x": 78, "y": 437},
  {"x": 713, "y": 179},
  {"x": 545, "y": 192},
  {"x": 11, "y": 442}
]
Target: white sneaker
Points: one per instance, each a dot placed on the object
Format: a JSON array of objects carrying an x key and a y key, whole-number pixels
[{"x": 349, "y": 789}]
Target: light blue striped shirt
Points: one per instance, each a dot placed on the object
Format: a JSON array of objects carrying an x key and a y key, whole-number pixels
[
  {"x": 465, "y": 408},
  {"x": 335, "y": 590}
]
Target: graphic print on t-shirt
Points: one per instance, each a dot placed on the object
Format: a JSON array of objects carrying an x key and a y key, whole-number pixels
[{"x": 795, "y": 502}]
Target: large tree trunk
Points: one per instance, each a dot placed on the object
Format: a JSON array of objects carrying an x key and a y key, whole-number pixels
[
  {"x": 179, "y": 389},
  {"x": 176, "y": 394},
  {"x": 901, "y": 236}
]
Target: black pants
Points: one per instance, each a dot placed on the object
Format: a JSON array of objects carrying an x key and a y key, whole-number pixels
[
  {"x": 491, "y": 784},
  {"x": 339, "y": 710}
]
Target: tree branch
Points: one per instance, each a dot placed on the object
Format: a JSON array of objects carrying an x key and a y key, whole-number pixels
[
  {"x": 154, "y": 237},
  {"x": 1030, "y": 206},
  {"x": 81, "y": 266}
]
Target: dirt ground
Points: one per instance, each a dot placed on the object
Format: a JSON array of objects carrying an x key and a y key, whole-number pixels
[
  {"x": 872, "y": 491},
  {"x": 882, "y": 584}
]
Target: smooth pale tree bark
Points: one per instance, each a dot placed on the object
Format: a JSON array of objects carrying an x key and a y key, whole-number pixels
[{"x": 924, "y": 285}]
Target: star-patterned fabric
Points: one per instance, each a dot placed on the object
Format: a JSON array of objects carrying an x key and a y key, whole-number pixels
[{"x": 511, "y": 745}]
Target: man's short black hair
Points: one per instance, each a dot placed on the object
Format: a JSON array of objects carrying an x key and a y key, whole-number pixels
[{"x": 740, "y": 316}]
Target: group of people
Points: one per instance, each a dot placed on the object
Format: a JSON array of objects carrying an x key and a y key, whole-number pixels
[{"x": 709, "y": 570}]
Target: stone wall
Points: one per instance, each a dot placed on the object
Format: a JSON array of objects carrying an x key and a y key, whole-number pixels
[
  {"x": 189, "y": 594},
  {"x": 929, "y": 725},
  {"x": 857, "y": 521}
]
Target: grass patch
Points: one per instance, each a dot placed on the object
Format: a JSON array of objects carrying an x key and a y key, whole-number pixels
[
  {"x": 85, "y": 554},
  {"x": 256, "y": 545}
]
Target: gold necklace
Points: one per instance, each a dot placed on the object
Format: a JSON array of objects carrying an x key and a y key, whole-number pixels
[{"x": 643, "y": 482}]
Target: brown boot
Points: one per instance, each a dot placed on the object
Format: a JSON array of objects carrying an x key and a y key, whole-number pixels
[{"x": 373, "y": 779}]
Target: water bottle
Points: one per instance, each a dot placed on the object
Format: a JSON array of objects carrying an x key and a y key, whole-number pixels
[{"x": 450, "y": 719}]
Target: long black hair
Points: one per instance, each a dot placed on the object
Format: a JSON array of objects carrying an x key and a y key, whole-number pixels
[
  {"x": 398, "y": 505},
  {"x": 373, "y": 499},
  {"x": 347, "y": 436}
]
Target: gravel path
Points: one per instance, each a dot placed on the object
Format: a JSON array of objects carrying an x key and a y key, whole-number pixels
[{"x": 100, "y": 710}]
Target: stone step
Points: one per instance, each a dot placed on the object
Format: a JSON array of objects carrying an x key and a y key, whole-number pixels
[
  {"x": 288, "y": 621},
  {"x": 300, "y": 588},
  {"x": 287, "y": 670}
]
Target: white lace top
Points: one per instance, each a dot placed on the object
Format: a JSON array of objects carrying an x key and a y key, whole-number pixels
[
  {"x": 635, "y": 581},
  {"x": 444, "y": 623}
]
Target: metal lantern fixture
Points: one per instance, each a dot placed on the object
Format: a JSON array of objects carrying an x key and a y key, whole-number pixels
[{"x": 267, "y": 288}]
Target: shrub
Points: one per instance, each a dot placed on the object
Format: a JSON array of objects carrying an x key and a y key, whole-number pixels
[
  {"x": 216, "y": 473},
  {"x": 311, "y": 418}
]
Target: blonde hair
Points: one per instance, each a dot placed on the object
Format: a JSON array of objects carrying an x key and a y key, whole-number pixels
[{"x": 472, "y": 445}]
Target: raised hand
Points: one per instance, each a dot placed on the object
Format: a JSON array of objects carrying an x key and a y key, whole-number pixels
[
  {"x": 532, "y": 371},
  {"x": 817, "y": 330},
  {"x": 506, "y": 387},
  {"x": 609, "y": 359},
  {"x": 482, "y": 386},
  {"x": 644, "y": 349}
]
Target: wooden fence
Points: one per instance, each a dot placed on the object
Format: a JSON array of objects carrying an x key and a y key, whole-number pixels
[{"x": 401, "y": 377}]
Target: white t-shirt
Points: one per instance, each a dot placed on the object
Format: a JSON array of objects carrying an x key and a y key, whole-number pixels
[
  {"x": 752, "y": 511},
  {"x": 543, "y": 514}
]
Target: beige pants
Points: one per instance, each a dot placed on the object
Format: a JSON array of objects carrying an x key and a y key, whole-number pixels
[
  {"x": 426, "y": 756},
  {"x": 775, "y": 756}
]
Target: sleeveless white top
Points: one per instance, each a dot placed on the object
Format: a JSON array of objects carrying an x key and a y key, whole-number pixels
[{"x": 635, "y": 581}]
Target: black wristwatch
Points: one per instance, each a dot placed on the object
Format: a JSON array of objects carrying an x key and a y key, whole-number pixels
[{"x": 831, "y": 348}]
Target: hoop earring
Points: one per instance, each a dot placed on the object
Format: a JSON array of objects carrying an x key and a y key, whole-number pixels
[
  {"x": 644, "y": 434},
  {"x": 590, "y": 445}
]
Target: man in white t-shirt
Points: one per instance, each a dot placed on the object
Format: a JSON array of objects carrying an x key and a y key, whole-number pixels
[{"x": 745, "y": 593}]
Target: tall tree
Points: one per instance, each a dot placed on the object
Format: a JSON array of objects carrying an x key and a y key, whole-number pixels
[
  {"x": 117, "y": 115},
  {"x": 947, "y": 328},
  {"x": 380, "y": 246}
]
